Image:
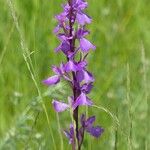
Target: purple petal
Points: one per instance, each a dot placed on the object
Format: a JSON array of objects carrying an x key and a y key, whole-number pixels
[
  {"x": 82, "y": 65},
  {"x": 52, "y": 80},
  {"x": 57, "y": 49},
  {"x": 86, "y": 88},
  {"x": 82, "y": 4},
  {"x": 82, "y": 18},
  {"x": 95, "y": 131},
  {"x": 61, "y": 17},
  {"x": 86, "y": 45},
  {"x": 82, "y": 100},
  {"x": 64, "y": 46},
  {"x": 62, "y": 37},
  {"x": 80, "y": 75},
  {"x": 56, "y": 70},
  {"x": 84, "y": 75},
  {"x": 81, "y": 33},
  {"x": 71, "y": 129},
  {"x": 88, "y": 77},
  {"x": 70, "y": 66},
  {"x": 89, "y": 122},
  {"x": 59, "y": 106},
  {"x": 67, "y": 134},
  {"x": 70, "y": 134},
  {"x": 56, "y": 29}
]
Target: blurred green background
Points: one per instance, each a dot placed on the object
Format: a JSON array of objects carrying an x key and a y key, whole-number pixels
[{"x": 121, "y": 66}]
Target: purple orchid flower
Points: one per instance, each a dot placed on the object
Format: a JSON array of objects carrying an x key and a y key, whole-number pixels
[
  {"x": 71, "y": 32},
  {"x": 88, "y": 126},
  {"x": 52, "y": 80},
  {"x": 70, "y": 134},
  {"x": 59, "y": 106},
  {"x": 82, "y": 100}
]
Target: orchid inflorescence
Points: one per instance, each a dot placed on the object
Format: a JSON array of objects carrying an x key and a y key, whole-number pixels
[{"x": 71, "y": 32}]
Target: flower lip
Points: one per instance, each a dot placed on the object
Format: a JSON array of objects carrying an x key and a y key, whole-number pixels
[
  {"x": 82, "y": 100},
  {"x": 59, "y": 106},
  {"x": 95, "y": 131},
  {"x": 82, "y": 18},
  {"x": 86, "y": 45},
  {"x": 70, "y": 134},
  {"x": 87, "y": 125},
  {"x": 52, "y": 80},
  {"x": 82, "y": 33}
]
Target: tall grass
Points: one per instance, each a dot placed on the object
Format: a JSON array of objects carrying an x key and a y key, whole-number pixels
[{"x": 27, "y": 119}]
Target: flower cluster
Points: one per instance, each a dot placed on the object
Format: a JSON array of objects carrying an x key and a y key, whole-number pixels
[{"x": 72, "y": 34}]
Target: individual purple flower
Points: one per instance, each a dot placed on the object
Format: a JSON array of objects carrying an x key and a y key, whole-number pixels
[
  {"x": 81, "y": 4},
  {"x": 82, "y": 33},
  {"x": 64, "y": 47},
  {"x": 59, "y": 106},
  {"x": 88, "y": 126},
  {"x": 85, "y": 76},
  {"x": 74, "y": 66},
  {"x": 70, "y": 134},
  {"x": 86, "y": 45},
  {"x": 87, "y": 87},
  {"x": 82, "y": 18},
  {"x": 71, "y": 66},
  {"x": 82, "y": 100},
  {"x": 52, "y": 80},
  {"x": 58, "y": 70},
  {"x": 95, "y": 131}
]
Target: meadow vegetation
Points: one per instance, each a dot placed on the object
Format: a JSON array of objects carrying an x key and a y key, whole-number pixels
[{"x": 120, "y": 64}]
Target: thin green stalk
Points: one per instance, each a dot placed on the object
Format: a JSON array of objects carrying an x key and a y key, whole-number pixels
[
  {"x": 60, "y": 133},
  {"x": 129, "y": 108},
  {"x": 109, "y": 113},
  {"x": 74, "y": 125},
  {"x": 7, "y": 42},
  {"x": 116, "y": 134},
  {"x": 145, "y": 88}
]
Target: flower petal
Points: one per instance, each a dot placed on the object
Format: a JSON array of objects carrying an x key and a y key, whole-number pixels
[
  {"x": 59, "y": 106},
  {"x": 70, "y": 66},
  {"x": 85, "y": 75},
  {"x": 81, "y": 65},
  {"x": 88, "y": 77},
  {"x": 70, "y": 134},
  {"x": 52, "y": 80},
  {"x": 81, "y": 33},
  {"x": 81, "y": 4},
  {"x": 87, "y": 87},
  {"x": 56, "y": 70},
  {"x": 95, "y": 131},
  {"x": 64, "y": 46},
  {"x": 82, "y": 18},
  {"x": 56, "y": 29},
  {"x": 86, "y": 45},
  {"x": 89, "y": 122},
  {"x": 61, "y": 17},
  {"x": 82, "y": 100}
]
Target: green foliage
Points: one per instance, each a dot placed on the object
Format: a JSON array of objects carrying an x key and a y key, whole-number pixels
[{"x": 120, "y": 29}]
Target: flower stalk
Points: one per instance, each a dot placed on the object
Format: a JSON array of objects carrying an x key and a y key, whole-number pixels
[{"x": 71, "y": 31}]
